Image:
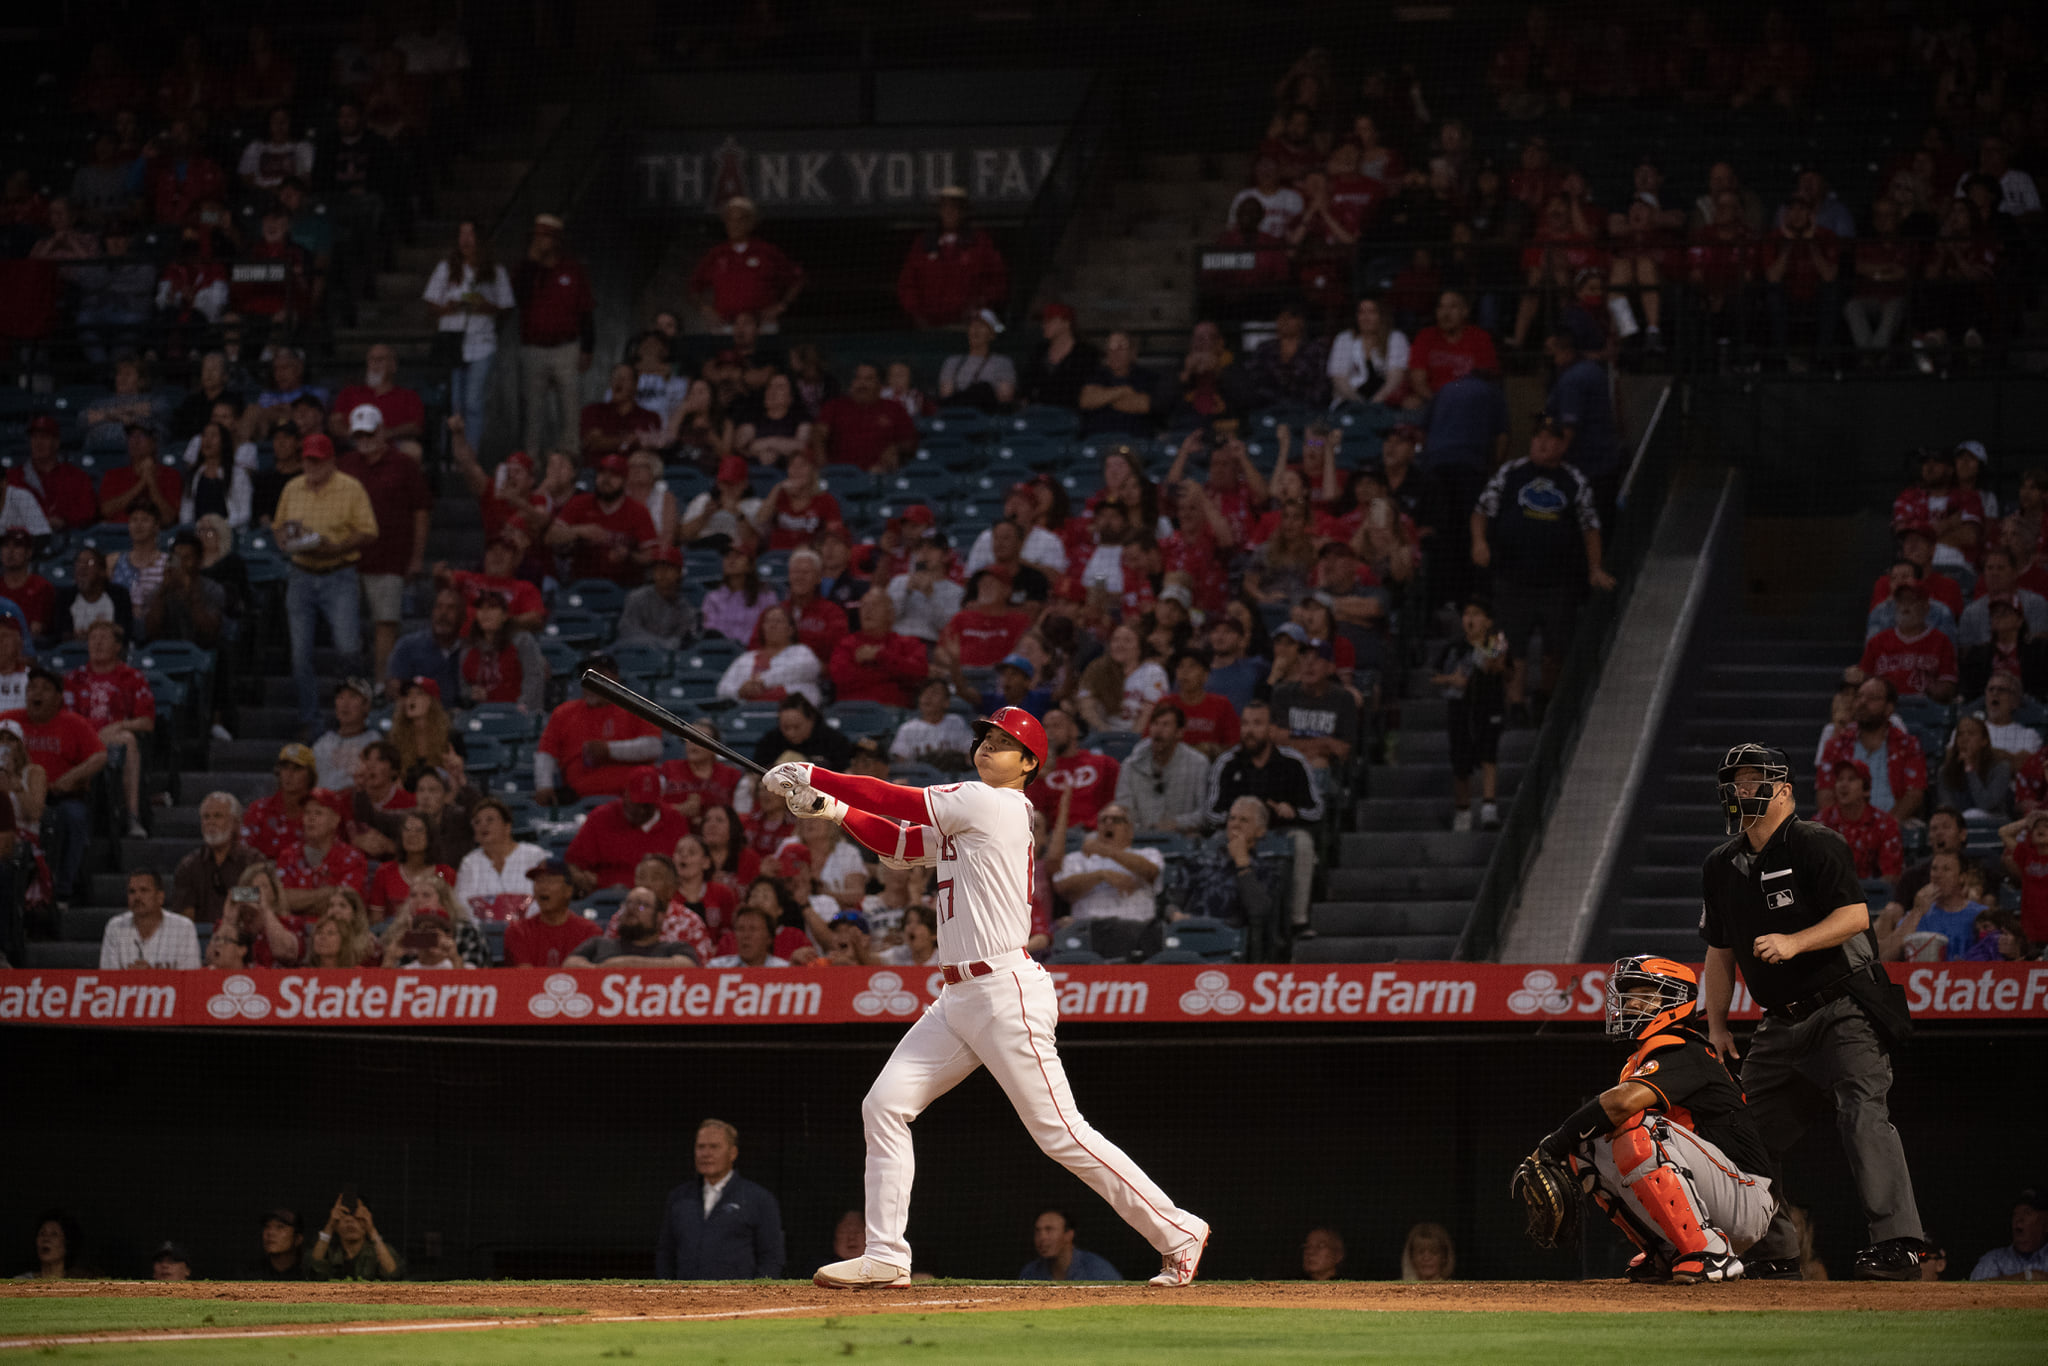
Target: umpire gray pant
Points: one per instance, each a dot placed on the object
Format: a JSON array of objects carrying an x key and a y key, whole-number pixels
[{"x": 1836, "y": 1050}]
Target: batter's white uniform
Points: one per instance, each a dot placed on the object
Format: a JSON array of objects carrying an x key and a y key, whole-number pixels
[{"x": 1003, "y": 1021}]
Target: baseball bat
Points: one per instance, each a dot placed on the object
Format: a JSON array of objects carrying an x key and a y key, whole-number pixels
[{"x": 652, "y": 712}]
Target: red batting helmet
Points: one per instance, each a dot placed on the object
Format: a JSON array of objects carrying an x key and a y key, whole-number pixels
[{"x": 1021, "y": 726}]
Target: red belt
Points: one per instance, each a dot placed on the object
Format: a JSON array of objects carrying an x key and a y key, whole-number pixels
[{"x": 956, "y": 973}]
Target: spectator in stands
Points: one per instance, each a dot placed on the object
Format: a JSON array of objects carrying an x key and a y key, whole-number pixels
[
  {"x": 1281, "y": 202},
  {"x": 113, "y": 696},
  {"x": 283, "y": 1248},
  {"x": 1052, "y": 1238},
  {"x": 952, "y": 271},
  {"x": 1942, "y": 910},
  {"x": 1090, "y": 776},
  {"x": 1279, "y": 777},
  {"x": 550, "y": 930},
  {"x": 753, "y": 937},
  {"x": 467, "y": 292},
  {"x": 227, "y": 950},
  {"x": 925, "y": 598},
  {"x": 2026, "y": 1257},
  {"x": 420, "y": 725},
  {"x": 1582, "y": 401},
  {"x": 590, "y": 747},
  {"x": 1883, "y": 263},
  {"x": 1451, "y": 350},
  {"x": 2002, "y": 697},
  {"x": 1322, "y": 1254},
  {"x": 321, "y": 862},
  {"x": 350, "y": 1248},
  {"x": 1232, "y": 674},
  {"x": 501, "y": 663},
  {"x": 979, "y": 378},
  {"x": 336, "y": 752},
  {"x": 1471, "y": 672},
  {"x": 1290, "y": 368},
  {"x": 220, "y": 484},
  {"x": 1111, "y": 879},
  {"x": 1162, "y": 781},
  {"x": 21, "y": 585},
  {"x": 65, "y": 745},
  {"x": 1914, "y": 657},
  {"x": 638, "y": 942},
  {"x": 876, "y": 663},
  {"x": 723, "y": 518},
  {"x": 1917, "y": 548},
  {"x": 1428, "y": 1254},
  {"x": 143, "y": 935},
  {"x": 2019, "y": 197},
  {"x": 1219, "y": 879},
  {"x": 1316, "y": 716},
  {"x": 432, "y": 929},
  {"x": 798, "y": 508},
  {"x": 861, "y": 428},
  {"x": 696, "y": 1242},
  {"x": 15, "y": 661},
  {"x": 203, "y": 878},
  {"x": 67, "y": 240},
  {"x": 780, "y": 666},
  {"x": 1872, "y": 835},
  {"x": 657, "y": 612},
  {"x": 1540, "y": 557},
  {"x": 606, "y": 534},
  {"x": 1120, "y": 396},
  {"x": 557, "y": 332},
  {"x": 1898, "y": 770},
  {"x": 800, "y": 727},
  {"x": 1801, "y": 264},
  {"x": 64, "y": 490},
  {"x": 920, "y": 929},
  {"x": 268, "y": 161},
  {"x": 987, "y": 629},
  {"x": 1119, "y": 690},
  {"x": 615, "y": 837},
  {"x": 1209, "y": 719},
  {"x": 617, "y": 425},
  {"x": 143, "y": 482},
  {"x": 1369, "y": 362},
  {"x": 698, "y": 782},
  {"x": 934, "y": 735},
  {"x": 734, "y": 608},
  {"x": 2025, "y": 861},
  {"x": 743, "y": 274},
  {"x": 493, "y": 880},
  {"x": 402, "y": 506},
  {"x": 1954, "y": 517},
  {"x": 1974, "y": 776},
  {"x": 1062, "y": 364},
  {"x": 1999, "y": 579},
  {"x": 324, "y": 522}
]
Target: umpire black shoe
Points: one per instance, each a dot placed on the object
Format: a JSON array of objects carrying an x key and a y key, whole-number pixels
[
  {"x": 1894, "y": 1259},
  {"x": 1773, "y": 1269}
]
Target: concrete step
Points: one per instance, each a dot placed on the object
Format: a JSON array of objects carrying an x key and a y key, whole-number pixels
[
  {"x": 1424, "y": 712},
  {"x": 1830, "y": 647},
  {"x": 1437, "y": 849},
  {"x": 1434, "y": 745},
  {"x": 1415, "y": 813},
  {"x": 274, "y": 724},
  {"x": 1375, "y": 948},
  {"x": 244, "y": 754},
  {"x": 1179, "y": 166},
  {"x": 490, "y": 173},
  {"x": 1424, "y": 780},
  {"x": 1790, "y": 735},
  {"x": 1659, "y": 912},
  {"x": 400, "y": 284},
  {"x": 1746, "y": 704},
  {"x": 1817, "y": 680},
  {"x": 1680, "y": 943},
  {"x": 1390, "y": 917},
  {"x": 1683, "y": 818},
  {"x": 1405, "y": 884},
  {"x": 1680, "y": 849},
  {"x": 1662, "y": 879}
]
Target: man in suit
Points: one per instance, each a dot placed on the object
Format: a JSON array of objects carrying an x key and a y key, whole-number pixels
[{"x": 720, "y": 1226}]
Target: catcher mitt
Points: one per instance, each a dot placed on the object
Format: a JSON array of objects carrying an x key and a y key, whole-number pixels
[{"x": 1550, "y": 1200}]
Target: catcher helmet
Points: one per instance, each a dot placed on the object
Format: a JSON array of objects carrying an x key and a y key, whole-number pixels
[
  {"x": 1740, "y": 811},
  {"x": 1675, "y": 987},
  {"x": 1021, "y": 726}
]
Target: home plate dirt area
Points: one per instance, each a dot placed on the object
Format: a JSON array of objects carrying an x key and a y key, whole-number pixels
[{"x": 614, "y": 1302}]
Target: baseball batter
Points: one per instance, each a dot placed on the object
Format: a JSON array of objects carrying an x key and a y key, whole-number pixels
[{"x": 998, "y": 1009}]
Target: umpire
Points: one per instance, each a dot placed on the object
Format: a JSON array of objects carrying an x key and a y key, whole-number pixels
[{"x": 1781, "y": 900}]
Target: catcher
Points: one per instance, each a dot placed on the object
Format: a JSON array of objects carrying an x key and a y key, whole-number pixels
[{"x": 1669, "y": 1153}]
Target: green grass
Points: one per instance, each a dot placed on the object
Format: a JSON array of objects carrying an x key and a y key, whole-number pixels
[
  {"x": 34, "y": 1315},
  {"x": 1131, "y": 1336}
]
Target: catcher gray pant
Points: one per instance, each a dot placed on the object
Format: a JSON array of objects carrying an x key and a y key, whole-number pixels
[
  {"x": 1836, "y": 1050},
  {"x": 1666, "y": 1181}
]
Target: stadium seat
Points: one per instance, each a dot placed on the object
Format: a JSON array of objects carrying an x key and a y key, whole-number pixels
[
  {"x": 911, "y": 773},
  {"x": 66, "y": 657},
  {"x": 178, "y": 658},
  {"x": 857, "y": 720},
  {"x": 562, "y": 657},
  {"x": 1117, "y": 744},
  {"x": 600, "y": 597},
  {"x": 577, "y": 629},
  {"x": 964, "y": 423},
  {"x": 643, "y": 658},
  {"x": 484, "y": 756},
  {"x": 1170, "y": 955},
  {"x": 1074, "y": 958},
  {"x": 846, "y": 481},
  {"x": 501, "y": 721},
  {"x": 1211, "y": 941},
  {"x": 710, "y": 652},
  {"x": 1046, "y": 421}
]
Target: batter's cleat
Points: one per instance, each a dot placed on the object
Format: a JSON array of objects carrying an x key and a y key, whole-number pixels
[
  {"x": 859, "y": 1273},
  {"x": 1894, "y": 1259},
  {"x": 1690, "y": 1268},
  {"x": 1773, "y": 1269},
  {"x": 1645, "y": 1269},
  {"x": 1178, "y": 1266}
]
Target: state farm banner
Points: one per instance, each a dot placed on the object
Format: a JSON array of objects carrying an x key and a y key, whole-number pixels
[
  {"x": 1452, "y": 993},
  {"x": 842, "y": 172}
]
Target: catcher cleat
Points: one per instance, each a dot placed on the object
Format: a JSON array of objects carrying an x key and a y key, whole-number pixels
[
  {"x": 1894, "y": 1259},
  {"x": 1177, "y": 1267},
  {"x": 1773, "y": 1269},
  {"x": 1649, "y": 1269},
  {"x": 859, "y": 1273},
  {"x": 1690, "y": 1268}
]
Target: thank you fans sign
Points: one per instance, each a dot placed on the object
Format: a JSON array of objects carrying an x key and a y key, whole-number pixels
[
  {"x": 842, "y": 173},
  {"x": 1386, "y": 993}
]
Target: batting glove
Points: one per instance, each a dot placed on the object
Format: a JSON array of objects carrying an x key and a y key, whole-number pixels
[
  {"x": 811, "y": 803},
  {"x": 784, "y": 780}
]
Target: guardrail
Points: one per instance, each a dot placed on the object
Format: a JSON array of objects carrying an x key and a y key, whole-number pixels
[{"x": 1521, "y": 832}]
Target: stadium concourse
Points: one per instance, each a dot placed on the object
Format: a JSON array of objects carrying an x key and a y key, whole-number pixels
[{"x": 1305, "y": 416}]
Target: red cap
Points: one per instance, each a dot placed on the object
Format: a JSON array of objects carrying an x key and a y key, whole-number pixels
[
  {"x": 1057, "y": 311},
  {"x": 43, "y": 422},
  {"x": 667, "y": 554},
  {"x": 614, "y": 464},
  {"x": 791, "y": 852},
  {"x": 2004, "y": 600},
  {"x": 1915, "y": 529},
  {"x": 1406, "y": 429},
  {"x": 316, "y": 447},
  {"x": 916, "y": 512},
  {"x": 732, "y": 470},
  {"x": 1908, "y": 588},
  {"x": 643, "y": 785},
  {"x": 1856, "y": 766},
  {"x": 425, "y": 685},
  {"x": 520, "y": 458},
  {"x": 329, "y": 798},
  {"x": 1021, "y": 726}
]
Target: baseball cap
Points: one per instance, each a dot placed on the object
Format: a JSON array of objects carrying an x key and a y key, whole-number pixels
[
  {"x": 792, "y": 852},
  {"x": 1407, "y": 431},
  {"x": 17, "y": 535},
  {"x": 1057, "y": 311},
  {"x": 326, "y": 796},
  {"x": 1907, "y": 588},
  {"x": 45, "y": 424},
  {"x": 551, "y": 222},
  {"x": 1547, "y": 423},
  {"x": 425, "y": 685},
  {"x": 365, "y": 417},
  {"x": 916, "y": 512},
  {"x": 1855, "y": 766},
  {"x": 852, "y": 917},
  {"x": 1323, "y": 649},
  {"x": 2034, "y": 1197},
  {"x": 732, "y": 470},
  {"x": 1905, "y": 529},
  {"x": 667, "y": 554},
  {"x": 302, "y": 755},
  {"x": 288, "y": 1217},
  {"x": 522, "y": 459},
  {"x": 1019, "y": 663},
  {"x": 1975, "y": 448},
  {"x": 614, "y": 464},
  {"x": 316, "y": 447},
  {"x": 174, "y": 1251},
  {"x": 549, "y": 867},
  {"x": 361, "y": 687},
  {"x": 2006, "y": 600},
  {"x": 643, "y": 786},
  {"x": 1291, "y": 630},
  {"x": 1178, "y": 592},
  {"x": 601, "y": 660},
  {"x": 952, "y": 192}
]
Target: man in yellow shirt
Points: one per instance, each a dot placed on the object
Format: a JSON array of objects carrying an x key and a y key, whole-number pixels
[{"x": 323, "y": 521}]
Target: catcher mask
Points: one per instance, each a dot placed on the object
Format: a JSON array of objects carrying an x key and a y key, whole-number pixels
[
  {"x": 1645, "y": 995},
  {"x": 1740, "y": 811}
]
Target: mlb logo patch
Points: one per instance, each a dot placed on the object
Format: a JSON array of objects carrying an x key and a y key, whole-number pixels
[{"x": 1778, "y": 901}]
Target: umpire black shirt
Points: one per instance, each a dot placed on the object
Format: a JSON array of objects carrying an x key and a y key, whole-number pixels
[{"x": 1802, "y": 875}]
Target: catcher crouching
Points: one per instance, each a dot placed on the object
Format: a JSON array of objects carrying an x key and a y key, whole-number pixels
[{"x": 1669, "y": 1152}]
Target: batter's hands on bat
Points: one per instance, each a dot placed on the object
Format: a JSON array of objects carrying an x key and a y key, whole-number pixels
[
  {"x": 812, "y": 804},
  {"x": 785, "y": 779}
]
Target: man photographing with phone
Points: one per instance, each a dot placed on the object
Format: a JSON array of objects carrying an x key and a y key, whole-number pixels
[{"x": 350, "y": 1248}]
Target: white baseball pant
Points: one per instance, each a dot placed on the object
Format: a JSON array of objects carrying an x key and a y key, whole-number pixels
[
  {"x": 1003, "y": 1022},
  {"x": 1668, "y": 1181}
]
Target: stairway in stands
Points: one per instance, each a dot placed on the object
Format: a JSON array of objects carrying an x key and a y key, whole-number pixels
[
  {"x": 1765, "y": 678},
  {"x": 1137, "y": 266},
  {"x": 1402, "y": 883}
]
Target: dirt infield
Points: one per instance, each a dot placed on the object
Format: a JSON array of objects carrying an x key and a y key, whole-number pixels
[{"x": 616, "y": 1301}]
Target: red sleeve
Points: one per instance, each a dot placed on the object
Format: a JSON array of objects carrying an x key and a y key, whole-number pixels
[
  {"x": 1891, "y": 857},
  {"x": 1868, "y": 663},
  {"x": 89, "y": 742},
  {"x": 583, "y": 850},
  {"x": 552, "y": 735},
  {"x": 872, "y": 794},
  {"x": 881, "y": 835},
  {"x": 1948, "y": 658}
]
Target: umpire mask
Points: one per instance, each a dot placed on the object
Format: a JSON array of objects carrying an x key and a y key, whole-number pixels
[{"x": 1742, "y": 812}]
